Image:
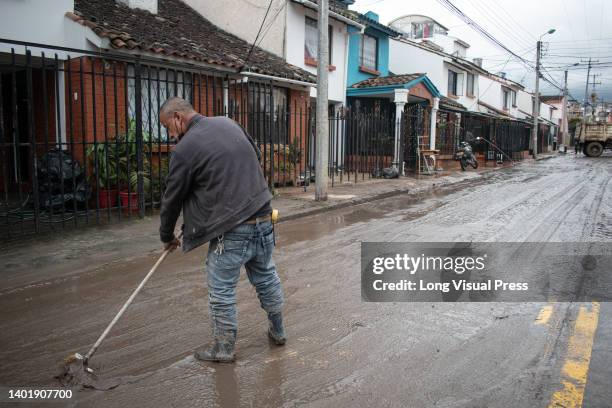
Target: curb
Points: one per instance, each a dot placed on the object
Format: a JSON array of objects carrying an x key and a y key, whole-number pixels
[
  {"x": 546, "y": 157},
  {"x": 377, "y": 197}
]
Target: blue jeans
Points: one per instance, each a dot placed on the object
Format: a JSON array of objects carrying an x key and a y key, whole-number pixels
[{"x": 251, "y": 246}]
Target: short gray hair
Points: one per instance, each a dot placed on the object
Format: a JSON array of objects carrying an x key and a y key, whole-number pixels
[{"x": 175, "y": 104}]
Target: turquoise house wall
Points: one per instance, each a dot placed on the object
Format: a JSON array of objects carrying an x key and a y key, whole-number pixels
[{"x": 354, "y": 74}]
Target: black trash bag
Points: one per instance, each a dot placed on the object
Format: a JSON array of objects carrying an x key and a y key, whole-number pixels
[
  {"x": 390, "y": 173},
  {"x": 60, "y": 181},
  {"x": 377, "y": 173}
]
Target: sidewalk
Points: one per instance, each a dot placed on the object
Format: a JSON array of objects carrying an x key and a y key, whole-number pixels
[{"x": 61, "y": 255}]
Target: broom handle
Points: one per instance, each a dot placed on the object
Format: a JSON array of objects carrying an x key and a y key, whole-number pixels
[{"x": 124, "y": 307}]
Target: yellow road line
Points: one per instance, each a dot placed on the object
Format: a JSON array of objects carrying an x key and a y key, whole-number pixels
[
  {"x": 544, "y": 315},
  {"x": 577, "y": 359}
]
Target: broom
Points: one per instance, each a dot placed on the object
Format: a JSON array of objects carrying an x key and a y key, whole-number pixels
[{"x": 76, "y": 370}]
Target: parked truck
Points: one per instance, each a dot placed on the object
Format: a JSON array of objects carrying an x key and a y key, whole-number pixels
[{"x": 594, "y": 137}]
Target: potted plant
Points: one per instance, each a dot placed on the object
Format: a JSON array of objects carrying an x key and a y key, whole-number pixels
[
  {"x": 129, "y": 196},
  {"x": 128, "y": 167},
  {"x": 103, "y": 157}
]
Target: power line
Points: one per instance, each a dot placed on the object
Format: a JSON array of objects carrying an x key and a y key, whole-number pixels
[
  {"x": 246, "y": 60},
  {"x": 267, "y": 29},
  {"x": 452, "y": 8},
  {"x": 585, "y": 40},
  {"x": 569, "y": 20},
  {"x": 502, "y": 26}
]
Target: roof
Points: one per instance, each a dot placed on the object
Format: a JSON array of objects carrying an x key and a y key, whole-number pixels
[
  {"x": 391, "y": 82},
  {"x": 446, "y": 102},
  {"x": 461, "y": 42},
  {"x": 540, "y": 119},
  {"x": 468, "y": 65},
  {"x": 436, "y": 49},
  {"x": 377, "y": 25},
  {"x": 494, "y": 109},
  {"x": 551, "y": 98},
  {"x": 386, "y": 80},
  {"x": 178, "y": 31},
  {"x": 336, "y": 7}
]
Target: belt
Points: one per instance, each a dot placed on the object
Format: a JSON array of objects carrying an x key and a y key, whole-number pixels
[{"x": 258, "y": 219}]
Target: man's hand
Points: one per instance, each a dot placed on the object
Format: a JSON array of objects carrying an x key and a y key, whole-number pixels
[{"x": 172, "y": 245}]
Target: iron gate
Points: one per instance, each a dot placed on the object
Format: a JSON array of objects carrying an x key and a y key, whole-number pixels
[{"x": 414, "y": 135}]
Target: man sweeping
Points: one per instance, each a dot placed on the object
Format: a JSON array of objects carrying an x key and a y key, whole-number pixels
[{"x": 216, "y": 179}]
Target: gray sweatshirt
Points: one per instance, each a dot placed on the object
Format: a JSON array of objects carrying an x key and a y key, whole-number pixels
[{"x": 215, "y": 178}]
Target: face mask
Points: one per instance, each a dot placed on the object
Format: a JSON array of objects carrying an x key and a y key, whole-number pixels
[{"x": 179, "y": 129}]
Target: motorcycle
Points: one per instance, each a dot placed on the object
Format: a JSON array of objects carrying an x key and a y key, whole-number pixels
[{"x": 465, "y": 156}]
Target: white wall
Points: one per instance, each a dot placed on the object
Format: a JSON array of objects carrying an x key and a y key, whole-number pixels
[
  {"x": 44, "y": 22},
  {"x": 405, "y": 58},
  {"x": 296, "y": 32},
  {"x": 525, "y": 104},
  {"x": 243, "y": 18},
  {"x": 40, "y": 21},
  {"x": 557, "y": 113},
  {"x": 546, "y": 112},
  {"x": 491, "y": 93}
]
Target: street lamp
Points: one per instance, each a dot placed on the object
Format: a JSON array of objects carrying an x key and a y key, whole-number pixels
[{"x": 536, "y": 102}]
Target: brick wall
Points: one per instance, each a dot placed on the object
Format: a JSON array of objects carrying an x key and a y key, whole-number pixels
[
  {"x": 91, "y": 82},
  {"x": 299, "y": 106},
  {"x": 421, "y": 91},
  {"x": 208, "y": 95}
]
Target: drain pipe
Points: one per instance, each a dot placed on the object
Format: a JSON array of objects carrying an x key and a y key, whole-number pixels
[{"x": 498, "y": 149}]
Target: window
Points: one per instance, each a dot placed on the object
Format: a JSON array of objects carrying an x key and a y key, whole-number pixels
[
  {"x": 369, "y": 52},
  {"x": 311, "y": 43},
  {"x": 422, "y": 30},
  {"x": 455, "y": 83},
  {"x": 506, "y": 97},
  {"x": 514, "y": 99},
  {"x": 470, "y": 85},
  {"x": 156, "y": 85}
]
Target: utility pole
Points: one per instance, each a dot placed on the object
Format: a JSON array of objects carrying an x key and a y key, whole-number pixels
[
  {"x": 593, "y": 95},
  {"x": 536, "y": 101},
  {"x": 593, "y": 82},
  {"x": 564, "y": 128},
  {"x": 322, "y": 136},
  {"x": 586, "y": 88}
]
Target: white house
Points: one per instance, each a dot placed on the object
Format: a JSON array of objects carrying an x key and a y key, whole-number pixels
[
  {"x": 499, "y": 94},
  {"x": 455, "y": 77},
  {"x": 290, "y": 32},
  {"x": 426, "y": 30}
]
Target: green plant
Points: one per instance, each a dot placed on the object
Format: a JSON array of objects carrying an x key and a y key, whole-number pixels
[
  {"x": 158, "y": 179},
  {"x": 123, "y": 159},
  {"x": 103, "y": 157},
  {"x": 295, "y": 153}
]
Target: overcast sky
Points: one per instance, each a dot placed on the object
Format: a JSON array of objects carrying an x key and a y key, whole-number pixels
[{"x": 583, "y": 30}]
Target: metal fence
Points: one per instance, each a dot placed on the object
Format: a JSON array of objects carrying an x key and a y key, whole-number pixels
[
  {"x": 415, "y": 131},
  {"x": 81, "y": 142},
  {"x": 499, "y": 140},
  {"x": 509, "y": 142},
  {"x": 448, "y": 132},
  {"x": 361, "y": 145}
]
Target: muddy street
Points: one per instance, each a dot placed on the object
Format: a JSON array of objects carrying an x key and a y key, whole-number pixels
[{"x": 341, "y": 351}]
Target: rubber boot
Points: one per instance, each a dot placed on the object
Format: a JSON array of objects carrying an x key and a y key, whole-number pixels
[
  {"x": 276, "y": 330},
  {"x": 220, "y": 350}
]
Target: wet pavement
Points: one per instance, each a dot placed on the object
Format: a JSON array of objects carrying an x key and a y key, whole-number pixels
[{"x": 341, "y": 352}]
